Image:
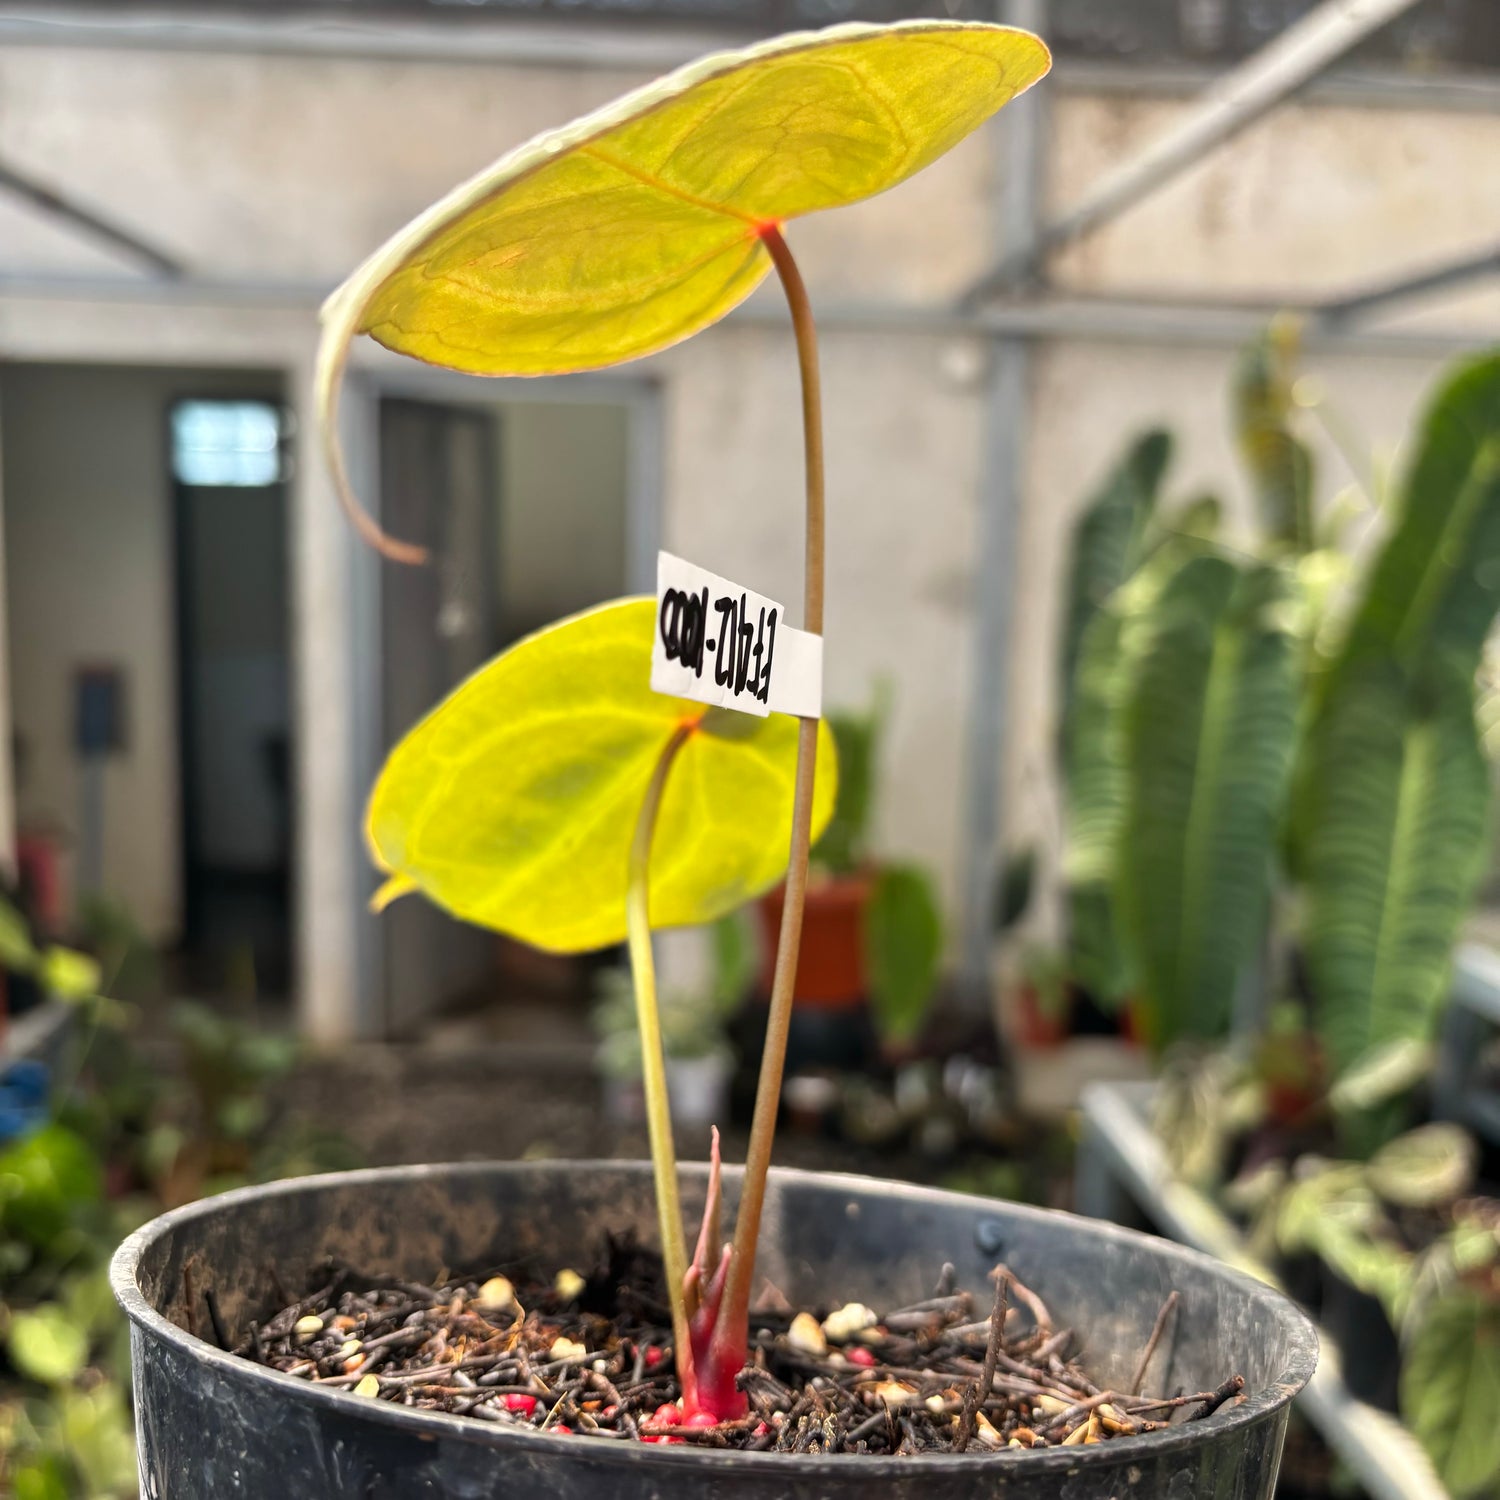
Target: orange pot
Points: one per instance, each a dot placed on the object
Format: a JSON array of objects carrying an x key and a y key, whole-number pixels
[
  {"x": 831, "y": 971},
  {"x": 1036, "y": 1027}
]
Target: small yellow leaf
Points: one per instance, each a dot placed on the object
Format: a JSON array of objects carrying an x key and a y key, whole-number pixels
[{"x": 513, "y": 804}]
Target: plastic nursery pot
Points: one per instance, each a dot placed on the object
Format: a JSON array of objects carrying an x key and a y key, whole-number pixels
[
  {"x": 831, "y": 972},
  {"x": 211, "y": 1424},
  {"x": 1370, "y": 1353},
  {"x": 1039, "y": 1028}
]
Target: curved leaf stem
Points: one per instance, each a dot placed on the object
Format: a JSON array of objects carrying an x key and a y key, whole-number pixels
[
  {"x": 653, "y": 1063},
  {"x": 734, "y": 1311}
]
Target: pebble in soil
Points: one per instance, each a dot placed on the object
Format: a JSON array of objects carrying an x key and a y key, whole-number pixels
[{"x": 590, "y": 1358}]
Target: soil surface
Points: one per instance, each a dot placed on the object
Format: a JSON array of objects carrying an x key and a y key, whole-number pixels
[{"x": 588, "y": 1358}]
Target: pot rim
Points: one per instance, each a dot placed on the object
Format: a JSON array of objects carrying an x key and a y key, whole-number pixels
[{"x": 1257, "y": 1406}]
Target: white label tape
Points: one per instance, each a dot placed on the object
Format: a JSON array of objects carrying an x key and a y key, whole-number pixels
[{"x": 721, "y": 644}]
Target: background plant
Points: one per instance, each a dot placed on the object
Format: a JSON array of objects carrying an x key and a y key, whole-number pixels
[
  {"x": 123, "y": 1131},
  {"x": 902, "y": 920},
  {"x": 1402, "y": 1228},
  {"x": 1265, "y": 744}
]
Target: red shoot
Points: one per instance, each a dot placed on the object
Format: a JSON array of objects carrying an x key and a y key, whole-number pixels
[{"x": 718, "y": 1353}]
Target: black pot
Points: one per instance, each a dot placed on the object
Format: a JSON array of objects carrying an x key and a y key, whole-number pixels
[
  {"x": 1357, "y": 1325},
  {"x": 211, "y": 1425}
]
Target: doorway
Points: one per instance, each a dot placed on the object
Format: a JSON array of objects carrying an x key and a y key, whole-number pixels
[
  {"x": 147, "y": 624},
  {"x": 234, "y": 713},
  {"x": 525, "y": 509}
]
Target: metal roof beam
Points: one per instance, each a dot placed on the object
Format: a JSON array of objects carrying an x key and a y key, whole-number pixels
[
  {"x": 1237, "y": 100},
  {"x": 59, "y": 206},
  {"x": 1345, "y": 310}
]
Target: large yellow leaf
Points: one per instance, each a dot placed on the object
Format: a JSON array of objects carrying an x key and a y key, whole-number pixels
[
  {"x": 638, "y": 225},
  {"x": 513, "y": 804}
]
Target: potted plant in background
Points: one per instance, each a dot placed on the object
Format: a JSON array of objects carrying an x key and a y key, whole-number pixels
[
  {"x": 833, "y": 971},
  {"x": 555, "y": 797},
  {"x": 872, "y": 938},
  {"x": 695, "y": 1015},
  {"x": 1291, "y": 794},
  {"x": 1238, "y": 715}
]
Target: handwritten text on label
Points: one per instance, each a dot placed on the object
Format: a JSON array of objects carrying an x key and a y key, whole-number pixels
[{"x": 722, "y": 644}]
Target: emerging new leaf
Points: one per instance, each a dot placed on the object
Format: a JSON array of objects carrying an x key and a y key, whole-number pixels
[{"x": 513, "y": 804}]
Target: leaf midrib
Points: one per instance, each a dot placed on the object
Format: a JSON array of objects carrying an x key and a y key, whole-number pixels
[
  {"x": 1441, "y": 567},
  {"x": 1418, "y": 747},
  {"x": 1228, "y": 651}
]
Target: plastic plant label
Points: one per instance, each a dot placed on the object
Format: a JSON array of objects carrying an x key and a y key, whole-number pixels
[{"x": 730, "y": 647}]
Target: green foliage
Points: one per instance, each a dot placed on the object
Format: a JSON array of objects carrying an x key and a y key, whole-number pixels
[
  {"x": 1109, "y": 542},
  {"x": 903, "y": 932},
  {"x": 1014, "y": 889},
  {"x": 1450, "y": 1392},
  {"x": 1045, "y": 971},
  {"x": 44, "y": 1479},
  {"x": 693, "y": 1024},
  {"x": 126, "y": 954},
  {"x": 62, "y": 972},
  {"x": 1393, "y": 854},
  {"x": 47, "y": 1345},
  {"x": 1382, "y": 1075},
  {"x": 1393, "y": 790},
  {"x": 17, "y": 951},
  {"x": 1435, "y": 588},
  {"x": 65, "y": 1427},
  {"x": 1208, "y": 731},
  {"x": 229, "y": 1062},
  {"x": 904, "y": 947},
  {"x": 1095, "y": 770},
  {"x": 734, "y": 959},
  {"x": 844, "y": 846},
  {"x": 1425, "y": 1168},
  {"x": 1279, "y": 463},
  {"x": 48, "y": 1180},
  {"x": 1178, "y": 732}
]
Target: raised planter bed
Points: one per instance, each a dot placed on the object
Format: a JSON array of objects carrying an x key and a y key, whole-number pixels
[
  {"x": 1123, "y": 1175},
  {"x": 1462, "y": 1092}
]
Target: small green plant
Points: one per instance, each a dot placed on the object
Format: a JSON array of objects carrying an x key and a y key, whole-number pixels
[
  {"x": 117, "y": 1138},
  {"x": 554, "y": 796},
  {"x": 902, "y": 923},
  {"x": 1401, "y": 1229},
  {"x": 693, "y": 1020},
  {"x": 844, "y": 849}
]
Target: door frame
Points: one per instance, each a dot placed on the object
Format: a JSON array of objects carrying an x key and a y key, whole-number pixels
[{"x": 383, "y": 375}]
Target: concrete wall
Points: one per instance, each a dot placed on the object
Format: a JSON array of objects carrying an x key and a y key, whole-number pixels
[
  {"x": 89, "y": 580},
  {"x": 291, "y": 168},
  {"x": 902, "y": 452},
  {"x": 1310, "y": 202}
]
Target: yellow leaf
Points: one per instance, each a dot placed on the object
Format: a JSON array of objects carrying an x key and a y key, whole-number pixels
[
  {"x": 513, "y": 804},
  {"x": 640, "y": 224}
]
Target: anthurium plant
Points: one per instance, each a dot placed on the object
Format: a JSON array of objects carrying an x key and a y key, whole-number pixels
[{"x": 554, "y": 796}]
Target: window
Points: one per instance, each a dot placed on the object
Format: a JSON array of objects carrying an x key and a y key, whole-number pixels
[{"x": 235, "y": 443}]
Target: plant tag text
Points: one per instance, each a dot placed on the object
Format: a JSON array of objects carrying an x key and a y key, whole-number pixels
[{"x": 721, "y": 644}]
